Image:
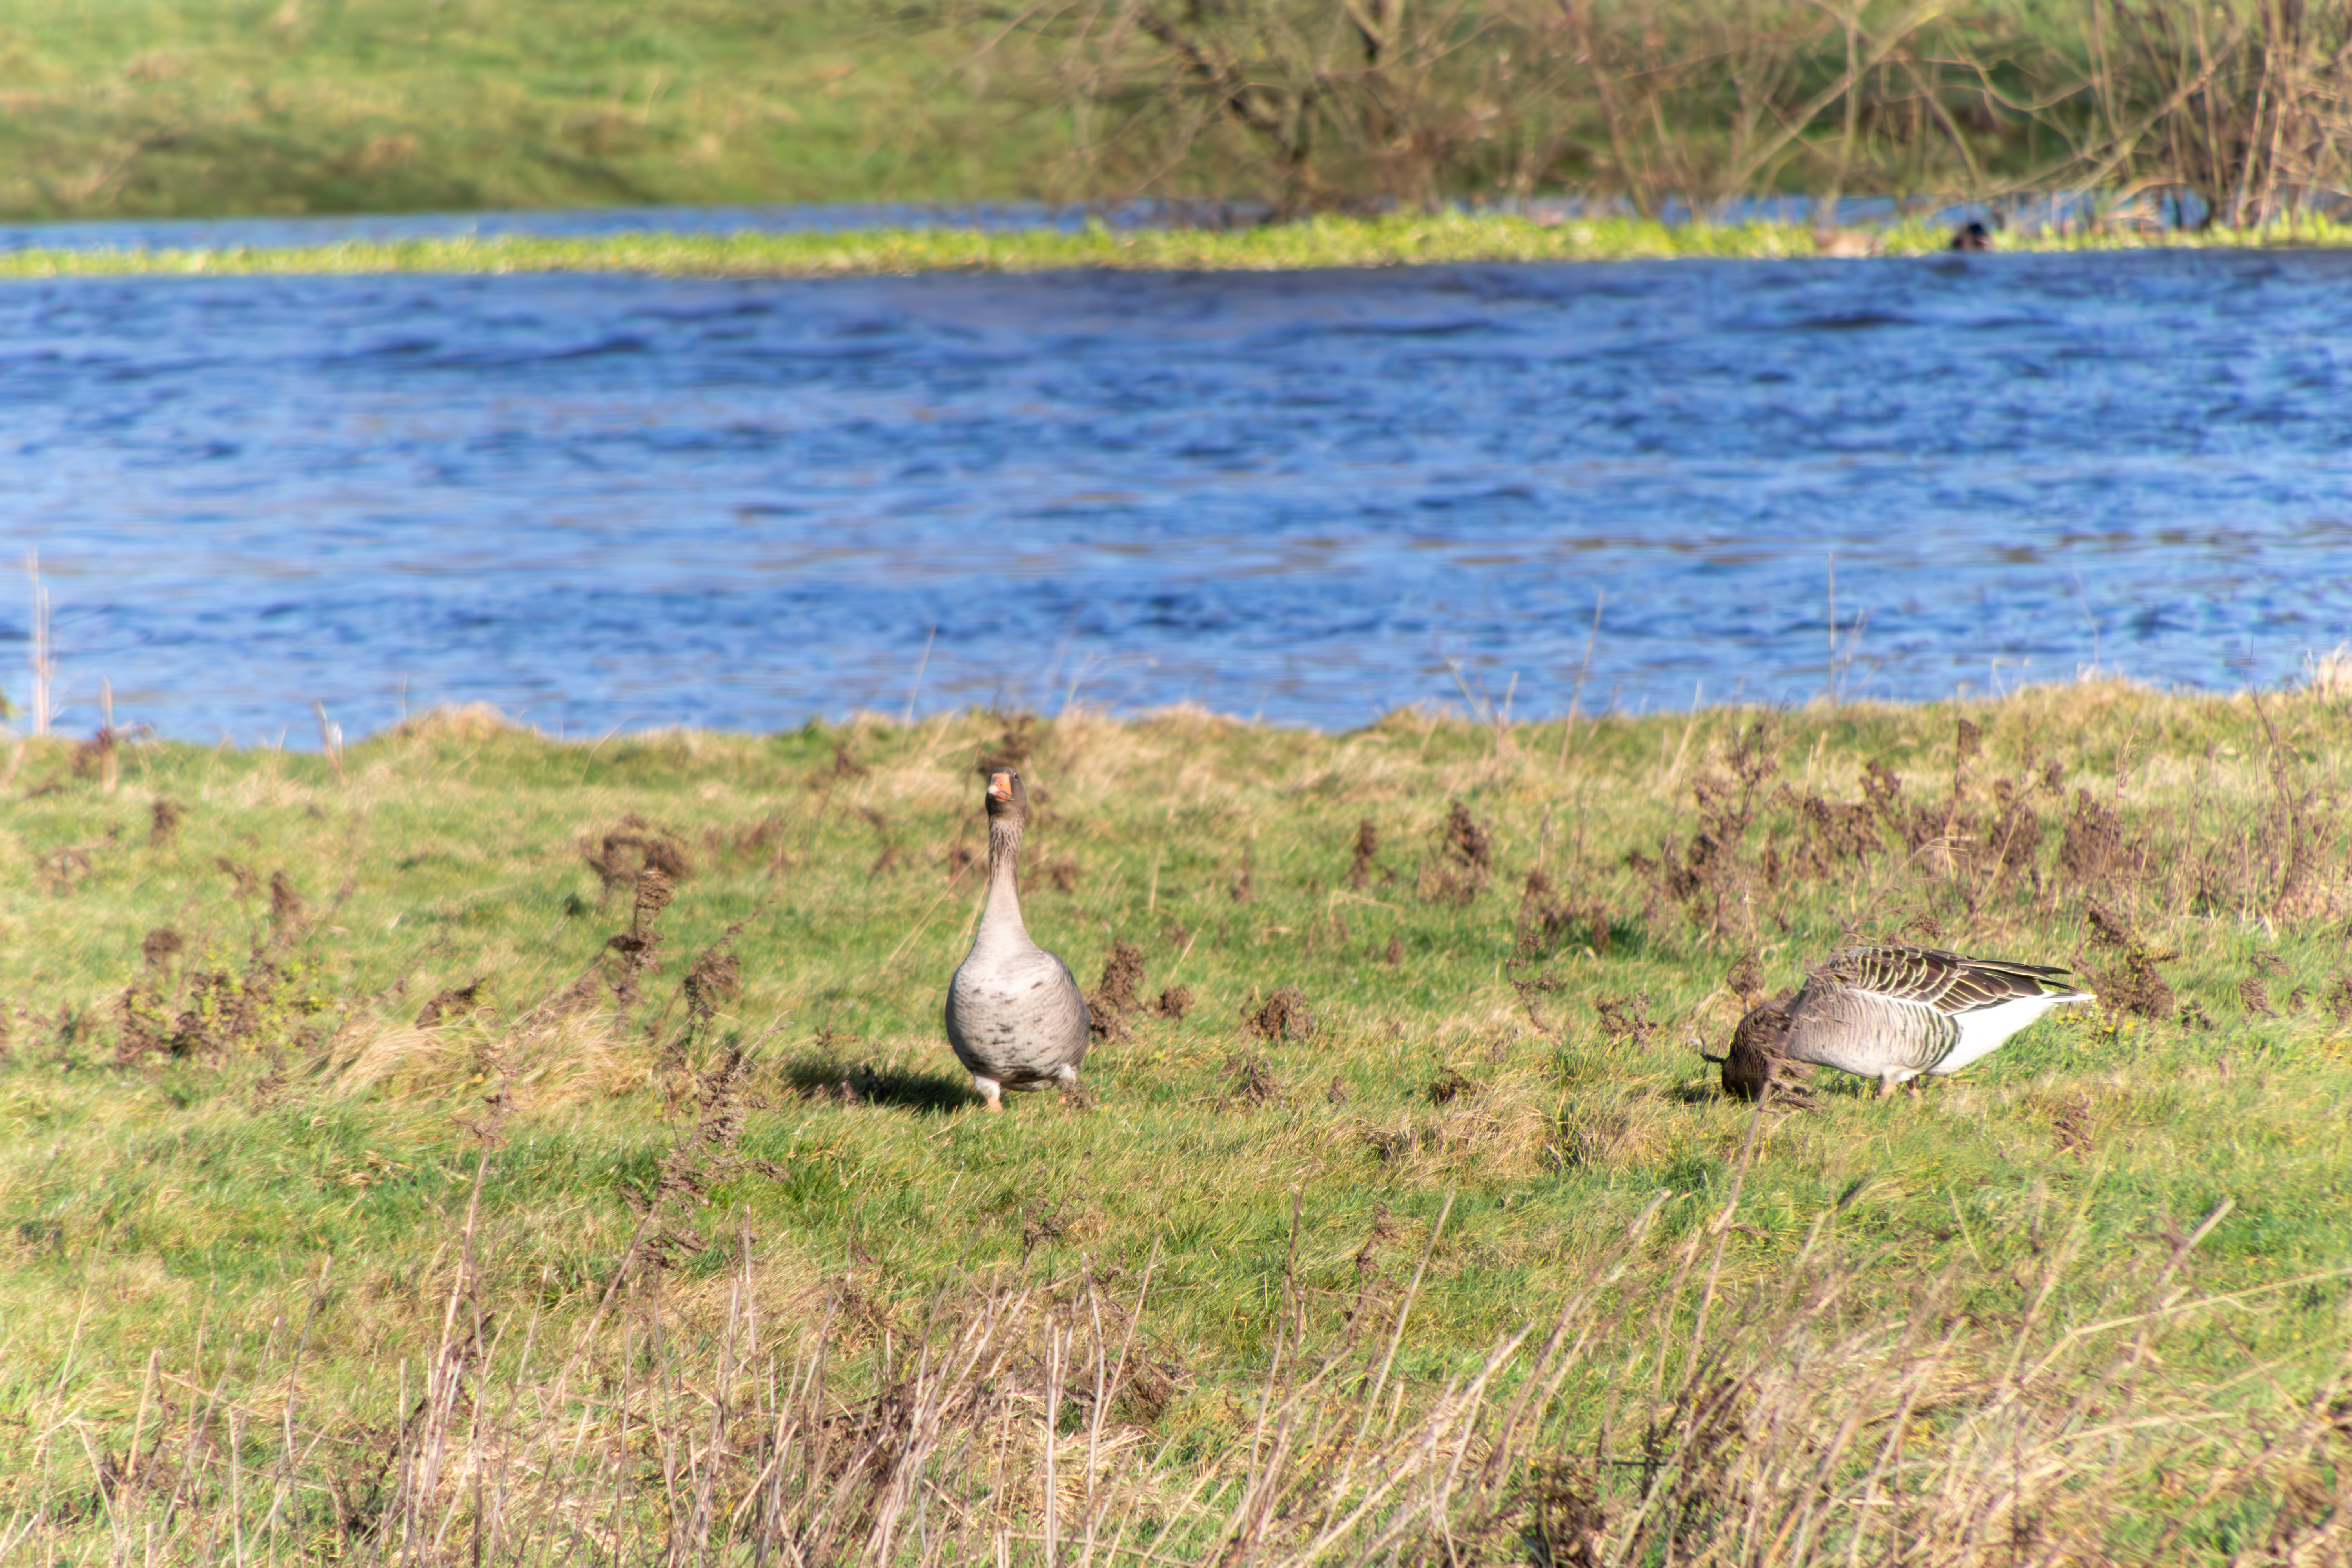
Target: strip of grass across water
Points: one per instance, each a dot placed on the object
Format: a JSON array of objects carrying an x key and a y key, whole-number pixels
[
  {"x": 1326, "y": 242},
  {"x": 477, "y": 1145}
]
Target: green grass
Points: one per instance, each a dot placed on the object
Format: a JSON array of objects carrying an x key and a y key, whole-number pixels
[
  {"x": 1324, "y": 242},
  {"x": 175, "y": 108},
  {"x": 1935, "y": 1313}
]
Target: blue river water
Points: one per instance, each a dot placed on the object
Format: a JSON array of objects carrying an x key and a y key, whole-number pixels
[{"x": 614, "y": 501}]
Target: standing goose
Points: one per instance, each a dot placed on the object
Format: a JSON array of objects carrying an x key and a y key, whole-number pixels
[
  {"x": 1892, "y": 1012},
  {"x": 1014, "y": 1015}
]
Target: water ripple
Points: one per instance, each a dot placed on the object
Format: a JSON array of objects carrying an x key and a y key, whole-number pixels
[{"x": 601, "y": 501}]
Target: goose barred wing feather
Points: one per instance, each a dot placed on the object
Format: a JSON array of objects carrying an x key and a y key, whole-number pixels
[
  {"x": 1931, "y": 977},
  {"x": 1893, "y": 1012}
]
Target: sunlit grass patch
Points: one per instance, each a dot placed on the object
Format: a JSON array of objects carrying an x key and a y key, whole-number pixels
[
  {"x": 1317, "y": 243},
  {"x": 334, "y": 1105}
]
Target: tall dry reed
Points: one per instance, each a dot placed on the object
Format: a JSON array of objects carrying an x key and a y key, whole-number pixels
[{"x": 1338, "y": 104}]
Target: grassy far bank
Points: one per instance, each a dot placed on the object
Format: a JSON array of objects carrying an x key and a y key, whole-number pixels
[
  {"x": 1323, "y": 242},
  {"x": 171, "y": 108},
  {"x": 492, "y": 1147},
  {"x": 150, "y": 107}
]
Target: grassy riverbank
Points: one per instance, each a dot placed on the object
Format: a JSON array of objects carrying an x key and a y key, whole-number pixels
[
  {"x": 148, "y": 107},
  {"x": 1326, "y": 242},
  {"x": 481, "y": 1146},
  {"x": 197, "y": 107}
]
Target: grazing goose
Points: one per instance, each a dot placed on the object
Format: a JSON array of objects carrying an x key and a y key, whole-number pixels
[
  {"x": 1014, "y": 1015},
  {"x": 1892, "y": 1012}
]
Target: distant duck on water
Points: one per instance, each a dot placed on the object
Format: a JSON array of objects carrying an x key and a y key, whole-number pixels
[
  {"x": 1015, "y": 1016},
  {"x": 1892, "y": 1012}
]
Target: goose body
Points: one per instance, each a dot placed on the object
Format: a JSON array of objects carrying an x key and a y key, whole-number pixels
[
  {"x": 1892, "y": 1012},
  {"x": 1014, "y": 1015}
]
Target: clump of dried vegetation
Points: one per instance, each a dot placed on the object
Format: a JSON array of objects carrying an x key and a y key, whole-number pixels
[
  {"x": 1307, "y": 105},
  {"x": 504, "y": 1151}
]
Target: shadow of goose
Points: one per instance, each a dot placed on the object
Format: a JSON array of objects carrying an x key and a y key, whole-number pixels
[{"x": 923, "y": 1093}]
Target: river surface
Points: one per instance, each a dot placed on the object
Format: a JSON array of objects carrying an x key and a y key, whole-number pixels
[{"x": 614, "y": 501}]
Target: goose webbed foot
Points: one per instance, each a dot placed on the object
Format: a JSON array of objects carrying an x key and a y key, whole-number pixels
[{"x": 990, "y": 1092}]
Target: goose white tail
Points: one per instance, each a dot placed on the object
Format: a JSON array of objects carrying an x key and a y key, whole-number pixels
[{"x": 1983, "y": 1029}]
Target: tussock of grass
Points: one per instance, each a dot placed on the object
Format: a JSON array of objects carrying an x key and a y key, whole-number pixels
[
  {"x": 1320, "y": 242},
  {"x": 551, "y": 1147}
]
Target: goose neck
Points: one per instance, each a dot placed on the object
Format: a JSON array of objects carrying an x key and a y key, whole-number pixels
[{"x": 1003, "y": 876}]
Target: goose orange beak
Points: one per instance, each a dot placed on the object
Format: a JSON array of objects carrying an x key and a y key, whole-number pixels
[{"x": 1000, "y": 786}]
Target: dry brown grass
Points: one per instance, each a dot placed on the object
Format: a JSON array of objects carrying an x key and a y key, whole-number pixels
[
  {"x": 545, "y": 1064},
  {"x": 2329, "y": 674},
  {"x": 457, "y": 722}
]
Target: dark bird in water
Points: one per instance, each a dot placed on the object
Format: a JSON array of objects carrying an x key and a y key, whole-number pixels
[
  {"x": 1972, "y": 236},
  {"x": 1892, "y": 1012},
  {"x": 1014, "y": 1015}
]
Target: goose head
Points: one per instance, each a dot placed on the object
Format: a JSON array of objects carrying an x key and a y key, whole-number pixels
[
  {"x": 1008, "y": 803},
  {"x": 1755, "y": 1048}
]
